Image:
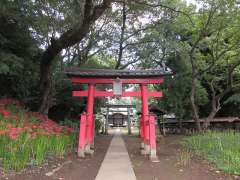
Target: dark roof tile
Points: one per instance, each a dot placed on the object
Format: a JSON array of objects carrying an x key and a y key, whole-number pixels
[{"x": 108, "y": 73}]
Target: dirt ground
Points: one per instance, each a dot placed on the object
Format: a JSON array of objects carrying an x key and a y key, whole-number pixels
[
  {"x": 72, "y": 168},
  {"x": 169, "y": 167}
]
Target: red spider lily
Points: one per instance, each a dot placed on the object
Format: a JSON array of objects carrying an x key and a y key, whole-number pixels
[
  {"x": 45, "y": 126},
  {"x": 35, "y": 126},
  {"x": 3, "y": 132},
  {"x": 13, "y": 136},
  {"x": 9, "y": 126},
  {"x": 5, "y": 113},
  {"x": 14, "y": 132}
]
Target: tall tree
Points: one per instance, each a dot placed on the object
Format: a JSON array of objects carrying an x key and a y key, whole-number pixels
[
  {"x": 90, "y": 11},
  {"x": 206, "y": 46}
]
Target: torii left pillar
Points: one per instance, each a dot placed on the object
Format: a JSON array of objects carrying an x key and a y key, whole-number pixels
[{"x": 90, "y": 130}]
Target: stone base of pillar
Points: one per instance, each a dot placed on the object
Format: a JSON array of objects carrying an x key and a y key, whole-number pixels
[
  {"x": 145, "y": 150},
  {"x": 153, "y": 156},
  {"x": 142, "y": 145},
  {"x": 88, "y": 150},
  {"x": 92, "y": 145},
  {"x": 81, "y": 153}
]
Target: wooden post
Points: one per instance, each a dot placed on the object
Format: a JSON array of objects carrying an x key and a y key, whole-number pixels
[
  {"x": 93, "y": 133},
  {"x": 90, "y": 123},
  {"x": 152, "y": 139},
  {"x": 144, "y": 93},
  {"x": 82, "y": 135}
]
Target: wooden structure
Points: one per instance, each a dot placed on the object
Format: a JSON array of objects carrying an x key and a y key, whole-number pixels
[
  {"x": 119, "y": 117},
  {"x": 117, "y": 78},
  {"x": 118, "y": 120},
  {"x": 171, "y": 125}
]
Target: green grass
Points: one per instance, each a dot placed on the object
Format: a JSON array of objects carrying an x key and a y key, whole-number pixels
[
  {"x": 18, "y": 153},
  {"x": 221, "y": 148}
]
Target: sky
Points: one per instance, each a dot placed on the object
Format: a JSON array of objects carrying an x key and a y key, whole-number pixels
[{"x": 191, "y": 1}]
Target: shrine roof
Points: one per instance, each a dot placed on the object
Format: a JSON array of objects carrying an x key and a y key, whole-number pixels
[{"x": 109, "y": 73}]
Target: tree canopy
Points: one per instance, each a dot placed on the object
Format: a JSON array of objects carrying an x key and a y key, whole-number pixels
[{"x": 199, "y": 42}]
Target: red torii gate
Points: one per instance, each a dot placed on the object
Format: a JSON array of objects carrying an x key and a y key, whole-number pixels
[{"x": 117, "y": 78}]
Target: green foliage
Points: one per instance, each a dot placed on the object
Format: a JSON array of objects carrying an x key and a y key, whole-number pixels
[
  {"x": 18, "y": 153},
  {"x": 153, "y": 36},
  {"x": 201, "y": 95},
  {"x": 212, "y": 35},
  {"x": 221, "y": 148},
  {"x": 71, "y": 123},
  {"x": 177, "y": 88},
  {"x": 100, "y": 61},
  {"x": 99, "y": 118},
  {"x": 19, "y": 54},
  {"x": 235, "y": 99}
]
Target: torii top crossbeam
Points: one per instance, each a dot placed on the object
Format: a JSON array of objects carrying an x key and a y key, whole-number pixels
[
  {"x": 106, "y": 76},
  {"x": 108, "y": 73}
]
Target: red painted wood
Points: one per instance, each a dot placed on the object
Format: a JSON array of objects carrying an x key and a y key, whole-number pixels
[
  {"x": 103, "y": 93},
  {"x": 155, "y": 94},
  {"x": 91, "y": 89},
  {"x": 152, "y": 138},
  {"x": 110, "y": 81},
  {"x": 82, "y": 132},
  {"x": 110, "y": 94},
  {"x": 141, "y": 127},
  {"x": 144, "y": 93}
]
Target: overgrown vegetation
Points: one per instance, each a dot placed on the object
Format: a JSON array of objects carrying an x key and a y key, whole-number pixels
[
  {"x": 221, "y": 148},
  {"x": 26, "y": 150},
  {"x": 26, "y": 137}
]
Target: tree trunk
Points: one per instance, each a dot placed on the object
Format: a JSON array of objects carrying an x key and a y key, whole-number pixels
[
  {"x": 45, "y": 83},
  {"x": 74, "y": 35},
  {"x": 216, "y": 106},
  {"x": 120, "y": 53},
  {"x": 209, "y": 119},
  {"x": 193, "y": 104}
]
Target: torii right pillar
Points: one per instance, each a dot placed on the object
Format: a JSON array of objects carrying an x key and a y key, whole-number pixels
[{"x": 147, "y": 128}]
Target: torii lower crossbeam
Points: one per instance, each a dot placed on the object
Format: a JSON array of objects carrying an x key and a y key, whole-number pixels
[{"x": 110, "y": 94}]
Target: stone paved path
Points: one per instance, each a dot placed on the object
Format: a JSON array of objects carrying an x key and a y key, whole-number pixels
[{"x": 116, "y": 164}]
